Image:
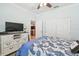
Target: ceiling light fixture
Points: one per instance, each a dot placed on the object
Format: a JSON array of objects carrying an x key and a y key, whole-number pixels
[{"x": 42, "y": 4}]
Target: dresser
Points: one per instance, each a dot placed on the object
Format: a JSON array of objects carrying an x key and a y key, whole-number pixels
[{"x": 12, "y": 42}]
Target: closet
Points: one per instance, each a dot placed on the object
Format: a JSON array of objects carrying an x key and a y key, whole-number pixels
[{"x": 58, "y": 27}]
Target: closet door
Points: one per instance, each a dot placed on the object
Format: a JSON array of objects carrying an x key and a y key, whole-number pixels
[
  {"x": 63, "y": 28},
  {"x": 75, "y": 28}
]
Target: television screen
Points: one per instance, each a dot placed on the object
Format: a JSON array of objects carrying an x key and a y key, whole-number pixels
[{"x": 10, "y": 27}]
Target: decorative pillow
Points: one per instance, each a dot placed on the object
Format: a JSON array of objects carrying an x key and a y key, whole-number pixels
[{"x": 75, "y": 47}]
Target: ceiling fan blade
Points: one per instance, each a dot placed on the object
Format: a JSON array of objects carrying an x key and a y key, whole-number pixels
[
  {"x": 49, "y": 5},
  {"x": 38, "y": 6}
]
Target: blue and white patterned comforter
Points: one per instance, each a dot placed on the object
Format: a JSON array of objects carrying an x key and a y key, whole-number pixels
[
  {"x": 51, "y": 47},
  {"x": 47, "y": 46}
]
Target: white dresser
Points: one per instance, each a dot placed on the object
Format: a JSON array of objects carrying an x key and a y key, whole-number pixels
[{"x": 12, "y": 42}]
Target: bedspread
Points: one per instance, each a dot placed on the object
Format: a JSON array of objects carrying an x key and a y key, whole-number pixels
[{"x": 51, "y": 47}]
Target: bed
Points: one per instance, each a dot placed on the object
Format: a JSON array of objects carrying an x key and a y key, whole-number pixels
[{"x": 46, "y": 46}]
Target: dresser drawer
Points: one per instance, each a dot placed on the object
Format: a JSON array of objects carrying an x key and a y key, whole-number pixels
[
  {"x": 6, "y": 51},
  {"x": 10, "y": 49},
  {"x": 8, "y": 44},
  {"x": 6, "y": 38},
  {"x": 24, "y": 36}
]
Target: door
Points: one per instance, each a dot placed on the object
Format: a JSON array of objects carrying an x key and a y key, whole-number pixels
[{"x": 63, "y": 28}]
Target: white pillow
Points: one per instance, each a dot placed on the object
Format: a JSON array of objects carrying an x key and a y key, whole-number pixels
[{"x": 74, "y": 44}]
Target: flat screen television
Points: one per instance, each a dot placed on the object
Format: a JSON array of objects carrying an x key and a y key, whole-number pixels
[{"x": 12, "y": 27}]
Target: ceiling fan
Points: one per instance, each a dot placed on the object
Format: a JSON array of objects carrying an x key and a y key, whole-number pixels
[{"x": 44, "y": 4}]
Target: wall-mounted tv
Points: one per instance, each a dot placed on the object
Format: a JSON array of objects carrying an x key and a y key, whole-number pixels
[{"x": 11, "y": 27}]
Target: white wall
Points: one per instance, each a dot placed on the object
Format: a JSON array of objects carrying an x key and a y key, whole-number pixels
[
  {"x": 14, "y": 13},
  {"x": 62, "y": 22}
]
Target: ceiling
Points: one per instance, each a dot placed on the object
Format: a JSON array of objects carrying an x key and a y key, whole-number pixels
[{"x": 33, "y": 6}]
